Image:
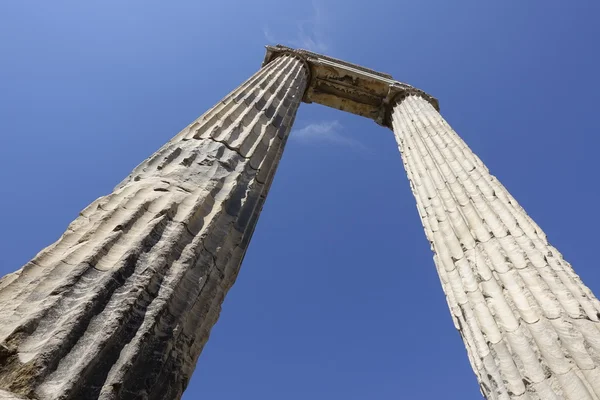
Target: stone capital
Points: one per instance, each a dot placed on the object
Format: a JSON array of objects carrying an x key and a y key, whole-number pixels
[{"x": 349, "y": 87}]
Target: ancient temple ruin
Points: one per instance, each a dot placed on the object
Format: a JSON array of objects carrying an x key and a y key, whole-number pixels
[{"x": 122, "y": 304}]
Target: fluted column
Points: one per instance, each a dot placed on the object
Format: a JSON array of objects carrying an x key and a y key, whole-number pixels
[
  {"x": 122, "y": 304},
  {"x": 530, "y": 326}
]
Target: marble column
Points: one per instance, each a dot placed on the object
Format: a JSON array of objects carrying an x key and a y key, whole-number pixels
[
  {"x": 122, "y": 304},
  {"x": 530, "y": 326}
]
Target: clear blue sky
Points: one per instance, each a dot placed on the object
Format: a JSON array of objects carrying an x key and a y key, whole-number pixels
[{"x": 338, "y": 297}]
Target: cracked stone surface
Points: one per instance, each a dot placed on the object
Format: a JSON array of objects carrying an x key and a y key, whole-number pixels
[
  {"x": 530, "y": 326},
  {"x": 122, "y": 304}
]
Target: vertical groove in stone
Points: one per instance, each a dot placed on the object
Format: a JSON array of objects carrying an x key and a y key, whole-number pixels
[
  {"x": 530, "y": 326},
  {"x": 123, "y": 303}
]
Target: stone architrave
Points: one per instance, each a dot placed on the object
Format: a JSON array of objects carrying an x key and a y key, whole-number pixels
[{"x": 122, "y": 304}]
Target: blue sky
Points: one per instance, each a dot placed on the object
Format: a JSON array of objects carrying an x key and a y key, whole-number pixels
[{"x": 338, "y": 296}]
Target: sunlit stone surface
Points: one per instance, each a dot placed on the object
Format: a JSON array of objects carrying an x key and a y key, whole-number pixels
[{"x": 529, "y": 324}]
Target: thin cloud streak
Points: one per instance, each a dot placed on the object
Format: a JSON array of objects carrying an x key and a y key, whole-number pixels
[
  {"x": 310, "y": 33},
  {"x": 268, "y": 35},
  {"x": 327, "y": 132}
]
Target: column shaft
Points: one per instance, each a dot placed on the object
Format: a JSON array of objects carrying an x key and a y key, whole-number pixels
[
  {"x": 530, "y": 326},
  {"x": 123, "y": 303}
]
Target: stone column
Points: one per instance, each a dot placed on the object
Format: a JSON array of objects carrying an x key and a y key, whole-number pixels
[
  {"x": 122, "y": 304},
  {"x": 530, "y": 326}
]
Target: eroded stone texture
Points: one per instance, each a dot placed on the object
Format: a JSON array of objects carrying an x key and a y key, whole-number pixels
[
  {"x": 123, "y": 303},
  {"x": 531, "y": 327}
]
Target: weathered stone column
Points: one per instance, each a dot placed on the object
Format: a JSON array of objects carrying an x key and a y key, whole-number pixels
[
  {"x": 529, "y": 324},
  {"x": 123, "y": 303}
]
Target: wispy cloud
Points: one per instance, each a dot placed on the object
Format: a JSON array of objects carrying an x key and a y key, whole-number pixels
[
  {"x": 269, "y": 36},
  {"x": 327, "y": 132},
  {"x": 309, "y": 33}
]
